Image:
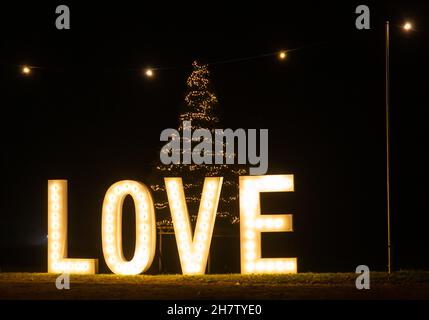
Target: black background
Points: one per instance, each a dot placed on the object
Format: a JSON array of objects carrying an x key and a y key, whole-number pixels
[{"x": 87, "y": 114}]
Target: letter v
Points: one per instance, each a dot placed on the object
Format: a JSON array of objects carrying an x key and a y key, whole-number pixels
[{"x": 193, "y": 252}]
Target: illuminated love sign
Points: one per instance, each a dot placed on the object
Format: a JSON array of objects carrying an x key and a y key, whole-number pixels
[{"x": 193, "y": 249}]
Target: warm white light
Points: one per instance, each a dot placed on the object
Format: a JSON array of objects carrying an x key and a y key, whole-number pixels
[
  {"x": 252, "y": 223},
  {"x": 112, "y": 228},
  {"x": 407, "y": 26},
  {"x": 149, "y": 72},
  {"x": 57, "y": 234},
  {"x": 26, "y": 70},
  {"x": 282, "y": 55},
  {"x": 193, "y": 251}
]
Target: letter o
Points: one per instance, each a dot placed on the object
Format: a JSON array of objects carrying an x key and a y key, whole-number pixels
[{"x": 112, "y": 228}]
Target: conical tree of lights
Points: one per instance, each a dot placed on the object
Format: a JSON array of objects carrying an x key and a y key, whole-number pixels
[{"x": 201, "y": 108}]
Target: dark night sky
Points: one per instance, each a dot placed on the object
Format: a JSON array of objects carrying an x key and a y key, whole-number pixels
[{"x": 89, "y": 116}]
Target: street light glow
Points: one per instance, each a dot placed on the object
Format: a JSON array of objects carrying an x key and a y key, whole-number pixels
[
  {"x": 407, "y": 26},
  {"x": 282, "y": 55}
]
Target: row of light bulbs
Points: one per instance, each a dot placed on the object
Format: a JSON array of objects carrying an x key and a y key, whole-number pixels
[{"x": 148, "y": 72}]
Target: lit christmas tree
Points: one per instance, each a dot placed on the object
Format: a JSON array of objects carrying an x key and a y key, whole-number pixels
[{"x": 201, "y": 109}]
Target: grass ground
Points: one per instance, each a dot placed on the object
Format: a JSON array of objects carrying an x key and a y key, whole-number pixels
[{"x": 400, "y": 285}]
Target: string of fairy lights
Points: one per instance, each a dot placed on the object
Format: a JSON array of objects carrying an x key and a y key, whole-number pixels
[
  {"x": 150, "y": 72},
  {"x": 282, "y": 54}
]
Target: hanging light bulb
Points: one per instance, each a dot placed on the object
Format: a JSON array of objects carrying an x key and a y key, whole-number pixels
[
  {"x": 26, "y": 70},
  {"x": 148, "y": 73},
  {"x": 282, "y": 55}
]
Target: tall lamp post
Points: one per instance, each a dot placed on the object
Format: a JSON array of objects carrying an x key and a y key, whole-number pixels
[{"x": 407, "y": 27}]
